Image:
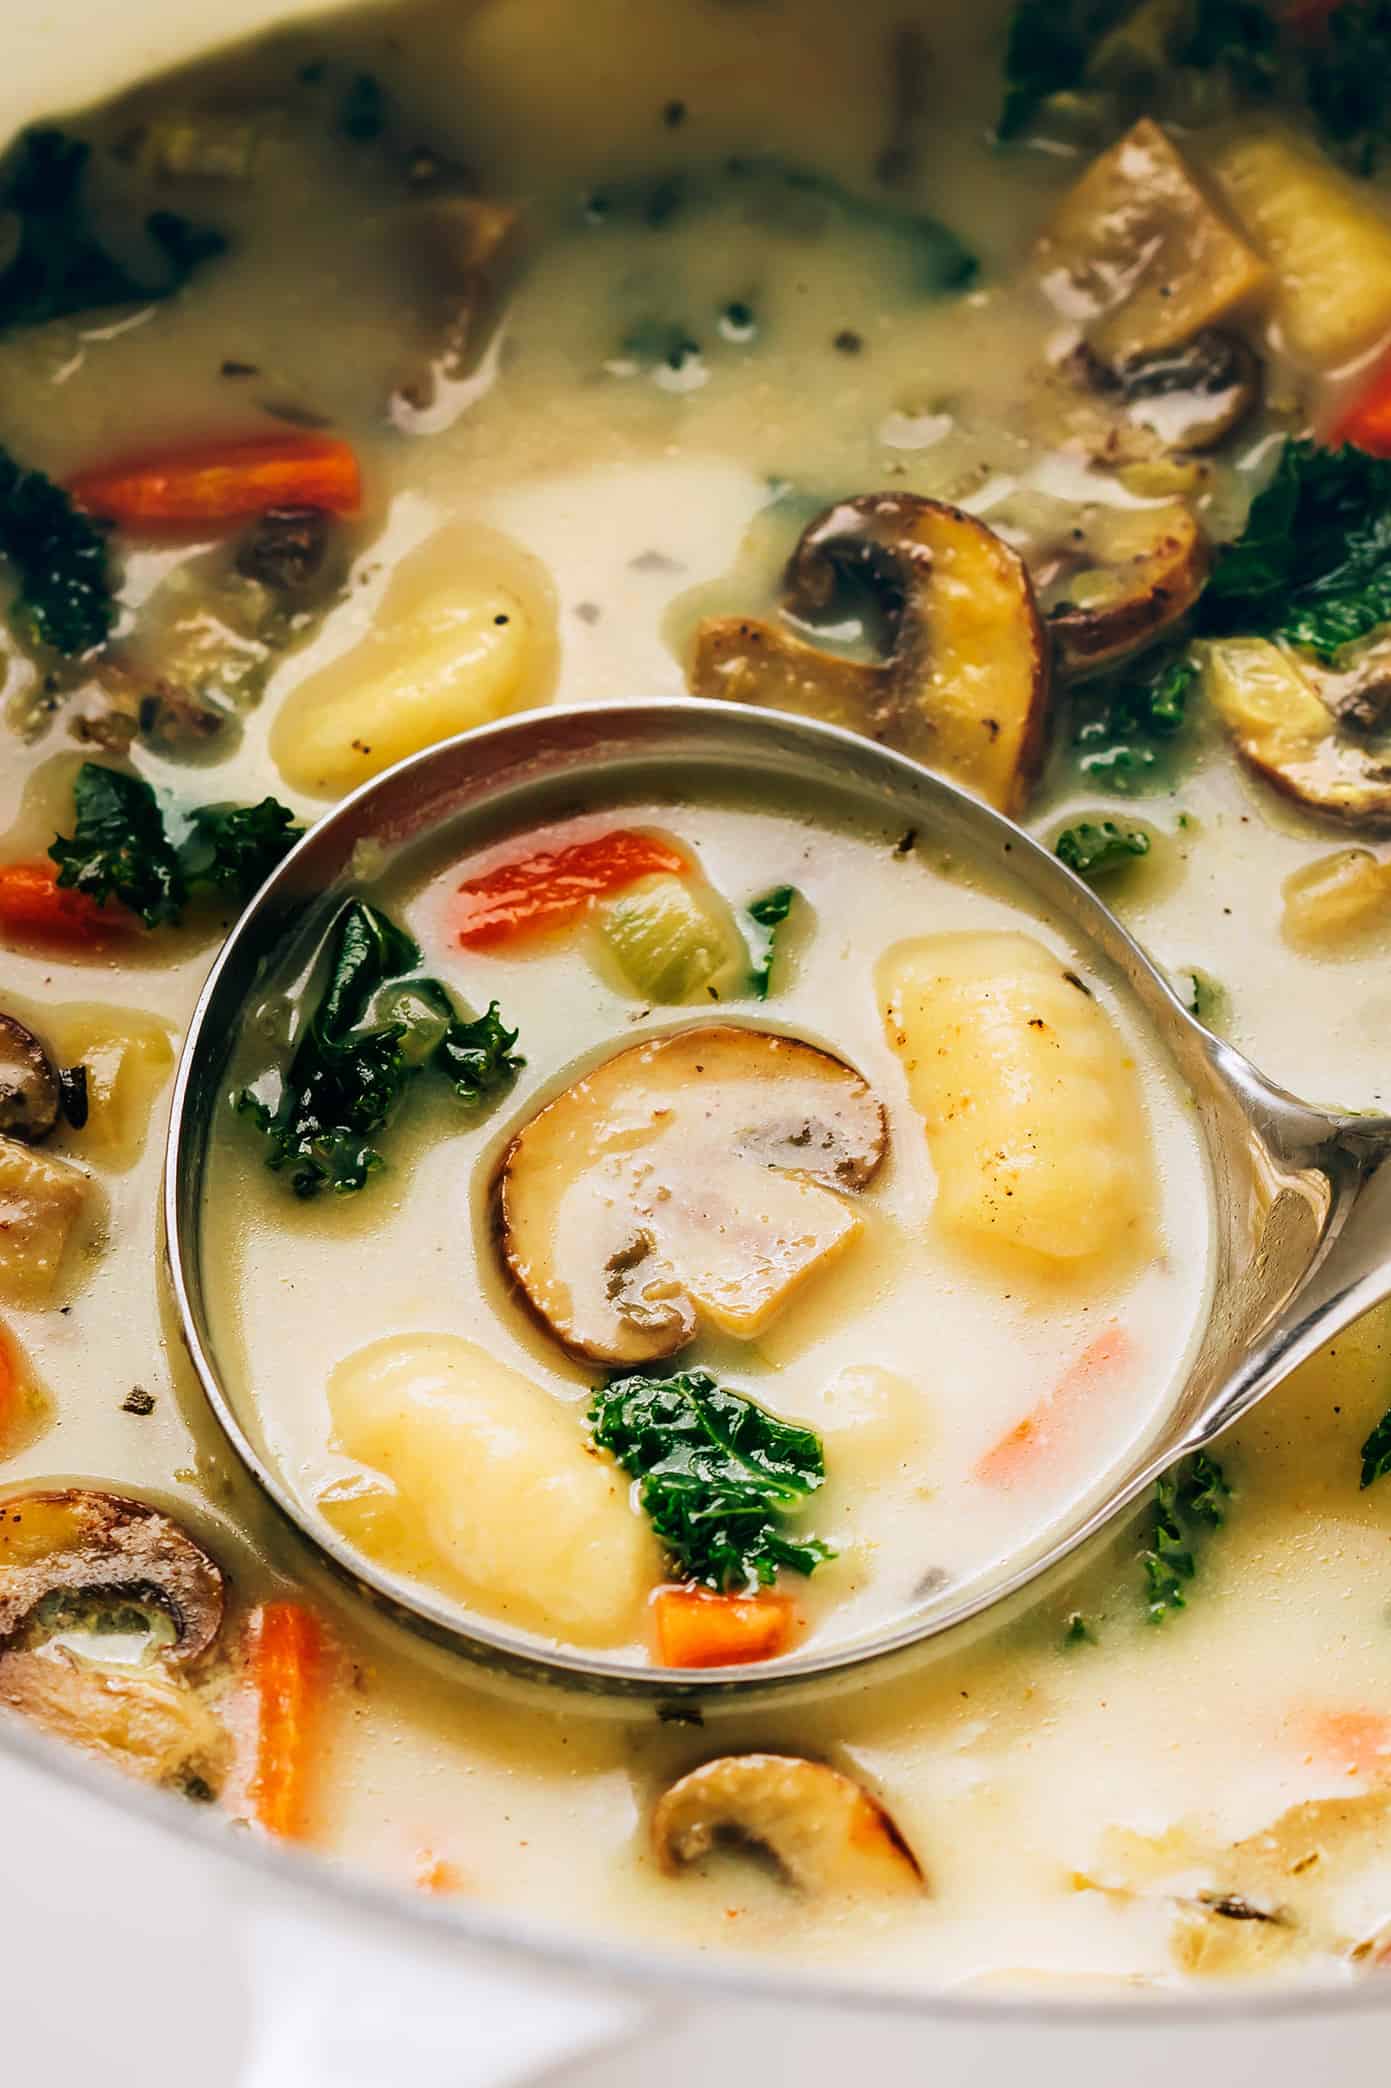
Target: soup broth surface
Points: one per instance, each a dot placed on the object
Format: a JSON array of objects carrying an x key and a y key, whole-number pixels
[{"x": 767, "y": 258}]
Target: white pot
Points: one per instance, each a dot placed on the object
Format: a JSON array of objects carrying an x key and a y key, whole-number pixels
[{"x": 140, "y": 1942}]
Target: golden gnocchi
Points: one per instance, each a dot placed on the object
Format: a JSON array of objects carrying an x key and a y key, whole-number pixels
[{"x": 1028, "y": 1096}]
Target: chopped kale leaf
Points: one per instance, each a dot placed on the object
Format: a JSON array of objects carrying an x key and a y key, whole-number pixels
[
  {"x": 120, "y": 848},
  {"x": 1094, "y": 848},
  {"x": 65, "y": 601},
  {"x": 374, "y": 1027},
  {"x": 718, "y": 1475},
  {"x": 1124, "y": 727},
  {"x": 1190, "y": 1499},
  {"x": 234, "y": 848},
  {"x": 1313, "y": 564}
]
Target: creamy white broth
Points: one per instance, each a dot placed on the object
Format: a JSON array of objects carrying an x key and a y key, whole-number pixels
[
  {"x": 912, "y": 1356},
  {"x": 626, "y": 508}
]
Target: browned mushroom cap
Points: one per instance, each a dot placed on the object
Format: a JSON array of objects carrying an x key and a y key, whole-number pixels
[
  {"x": 1140, "y": 571},
  {"x": 1316, "y": 735},
  {"x": 822, "y": 1830},
  {"x": 82, "y": 1543},
  {"x": 702, "y": 1175},
  {"x": 964, "y": 687},
  {"x": 30, "y": 1093},
  {"x": 1190, "y": 397}
]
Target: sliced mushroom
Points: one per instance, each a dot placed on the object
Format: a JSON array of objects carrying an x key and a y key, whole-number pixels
[
  {"x": 30, "y": 1095},
  {"x": 702, "y": 1175},
  {"x": 822, "y": 1830},
  {"x": 143, "y": 1723},
  {"x": 458, "y": 247},
  {"x": 1190, "y": 397},
  {"x": 1139, "y": 257},
  {"x": 1301, "y": 729},
  {"x": 964, "y": 687},
  {"x": 1136, "y": 574},
  {"x": 287, "y": 551},
  {"x": 79, "y": 1543}
]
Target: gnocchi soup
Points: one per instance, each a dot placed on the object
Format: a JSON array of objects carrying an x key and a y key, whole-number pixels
[{"x": 698, "y": 1229}]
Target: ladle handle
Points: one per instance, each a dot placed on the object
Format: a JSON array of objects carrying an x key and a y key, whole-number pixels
[{"x": 1349, "y": 1275}]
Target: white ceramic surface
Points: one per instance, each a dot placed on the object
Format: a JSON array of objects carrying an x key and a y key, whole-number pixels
[{"x": 135, "y": 1949}]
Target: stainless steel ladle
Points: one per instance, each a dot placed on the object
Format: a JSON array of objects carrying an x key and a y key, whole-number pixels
[{"x": 1301, "y": 1196}]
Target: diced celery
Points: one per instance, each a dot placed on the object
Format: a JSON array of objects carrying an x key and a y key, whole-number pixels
[{"x": 673, "y": 939}]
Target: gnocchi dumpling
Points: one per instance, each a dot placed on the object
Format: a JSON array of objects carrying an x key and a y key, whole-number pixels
[
  {"x": 451, "y": 647},
  {"x": 1027, "y": 1092},
  {"x": 491, "y": 1477},
  {"x": 41, "y": 1201}
]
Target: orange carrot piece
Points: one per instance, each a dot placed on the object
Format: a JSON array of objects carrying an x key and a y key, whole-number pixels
[
  {"x": 1032, "y": 1442},
  {"x": 11, "y": 1388},
  {"x": 552, "y": 885},
  {"x": 1357, "y": 1741},
  {"x": 222, "y": 482},
  {"x": 696, "y": 1628},
  {"x": 287, "y": 1660},
  {"x": 35, "y": 908},
  {"x": 1367, "y": 422}
]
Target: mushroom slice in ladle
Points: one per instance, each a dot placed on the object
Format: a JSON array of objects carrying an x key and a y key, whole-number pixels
[
  {"x": 80, "y": 1545},
  {"x": 30, "y": 1093},
  {"x": 705, "y": 1175},
  {"x": 822, "y": 1829},
  {"x": 964, "y": 685},
  {"x": 1137, "y": 574}
]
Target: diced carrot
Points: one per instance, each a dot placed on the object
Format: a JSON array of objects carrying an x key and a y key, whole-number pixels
[
  {"x": 553, "y": 885},
  {"x": 1356, "y": 1741},
  {"x": 1032, "y": 1443},
  {"x": 11, "y": 1388},
  {"x": 35, "y": 908},
  {"x": 222, "y": 481},
  {"x": 286, "y": 1655},
  {"x": 696, "y": 1628},
  {"x": 1367, "y": 422}
]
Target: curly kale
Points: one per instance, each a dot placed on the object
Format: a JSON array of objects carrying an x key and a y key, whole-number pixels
[
  {"x": 66, "y": 600},
  {"x": 234, "y": 848},
  {"x": 1190, "y": 1499},
  {"x": 1313, "y": 564},
  {"x": 1094, "y": 848},
  {"x": 120, "y": 847},
  {"x": 375, "y": 1026},
  {"x": 1123, "y": 728},
  {"x": 59, "y": 265},
  {"x": 718, "y": 1475}
]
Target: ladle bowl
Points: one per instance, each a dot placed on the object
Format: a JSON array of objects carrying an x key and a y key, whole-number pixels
[{"x": 1301, "y": 1225}]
